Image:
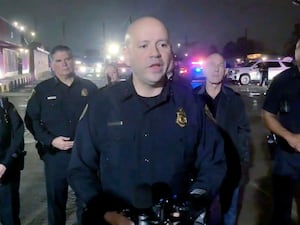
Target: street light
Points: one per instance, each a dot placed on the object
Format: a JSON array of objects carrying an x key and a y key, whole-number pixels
[
  {"x": 296, "y": 2},
  {"x": 113, "y": 49},
  {"x": 22, "y": 28}
]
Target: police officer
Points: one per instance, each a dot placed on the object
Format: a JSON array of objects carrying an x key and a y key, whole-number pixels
[
  {"x": 51, "y": 116},
  {"x": 228, "y": 110},
  {"x": 280, "y": 113},
  {"x": 11, "y": 162},
  {"x": 150, "y": 131}
]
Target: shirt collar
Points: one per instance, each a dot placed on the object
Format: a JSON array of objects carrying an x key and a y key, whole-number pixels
[
  {"x": 129, "y": 90},
  {"x": 58, "y": 82},
  {"x": 203, "y": 90}
]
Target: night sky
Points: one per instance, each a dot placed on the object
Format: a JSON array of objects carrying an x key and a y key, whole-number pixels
[{"x": 84, "y": 24}]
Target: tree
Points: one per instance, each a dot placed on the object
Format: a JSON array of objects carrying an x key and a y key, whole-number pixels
[
  {"x": 229, "y": 50},
  {"x": 242, "y": 47},
  {"x": 213, "y": 49}
]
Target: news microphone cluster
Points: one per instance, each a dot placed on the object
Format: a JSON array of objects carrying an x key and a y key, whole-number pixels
[{"x": 168, "y": 212}]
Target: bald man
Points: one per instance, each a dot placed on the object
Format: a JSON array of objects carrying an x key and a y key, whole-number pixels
[
  {"x": 228, "y": 110},
  {"x": 142, "y": 135}
]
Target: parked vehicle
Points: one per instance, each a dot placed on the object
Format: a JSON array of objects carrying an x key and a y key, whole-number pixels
[{"x": 250, "y": 72}]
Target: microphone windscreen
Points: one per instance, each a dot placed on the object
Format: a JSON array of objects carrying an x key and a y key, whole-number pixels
[
  {"x": 160, "y": 191},
  {"x": 143, "y": 197}
]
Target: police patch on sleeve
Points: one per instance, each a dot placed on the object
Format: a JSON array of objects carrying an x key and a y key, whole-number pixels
[{"x": 181, "y": 118}]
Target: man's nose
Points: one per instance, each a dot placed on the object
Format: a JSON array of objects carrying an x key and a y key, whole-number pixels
[{"x": 155, "y": 51}]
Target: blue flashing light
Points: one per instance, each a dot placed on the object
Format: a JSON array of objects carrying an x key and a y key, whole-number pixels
[{"x": 198, "y": 70}]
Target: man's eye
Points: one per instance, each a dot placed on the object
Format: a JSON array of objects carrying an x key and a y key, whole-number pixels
[{"x": 143, "y": 46}]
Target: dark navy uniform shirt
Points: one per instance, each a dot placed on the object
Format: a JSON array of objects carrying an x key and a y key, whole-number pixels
[
  {"x": 283, "y": 99},
  {"x": 125, "y": 140},
  {"x": 54, "y": 108}
]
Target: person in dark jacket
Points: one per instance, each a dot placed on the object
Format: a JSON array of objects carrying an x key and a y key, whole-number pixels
[
  {"x": 228, "y": 111},
  {"x": 280, "y": 113},
  {"x": 151, "y": 133},
  {"x": 52, "y": 114},
  {"x": 264, "y": 72},
  {"x": 11, "y": 162}
]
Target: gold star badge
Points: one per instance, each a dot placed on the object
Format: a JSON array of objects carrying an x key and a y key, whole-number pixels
[
  {"x": 181, "y": 118},
  {"x": 84, "y": 92}
]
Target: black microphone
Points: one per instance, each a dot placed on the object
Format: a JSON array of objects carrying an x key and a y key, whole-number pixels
[
  {"x": 163, "y": 201},
  {"x": 161, "y": 191},
  {"x": 142, "y": 202},
  {"x": 143, "y": 197}
]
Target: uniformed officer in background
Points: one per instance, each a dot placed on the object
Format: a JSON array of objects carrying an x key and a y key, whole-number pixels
[
  {"x": 280, "y": 113},
  {"x": 52, "y": 114},
  {"x": 11, "y": 162},
  {"x": 151, "y": 131}
]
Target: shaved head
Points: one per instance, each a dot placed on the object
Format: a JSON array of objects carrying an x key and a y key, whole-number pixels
[
  {"x": 215, "y": 56},
  {"x": 142, "y": 24}
]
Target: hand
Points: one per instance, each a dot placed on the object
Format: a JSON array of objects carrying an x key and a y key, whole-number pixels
[
  {"x": 294, "y": 141},
  {"x": 62, "y": 143},
  {"x": 115, "y": 218},
  {"x": 2, "y": 170}
]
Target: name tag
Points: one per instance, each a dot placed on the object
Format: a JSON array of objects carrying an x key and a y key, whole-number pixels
[
  {"x": 115, "y": 123},
  {"x": 51, "y": 97}
]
